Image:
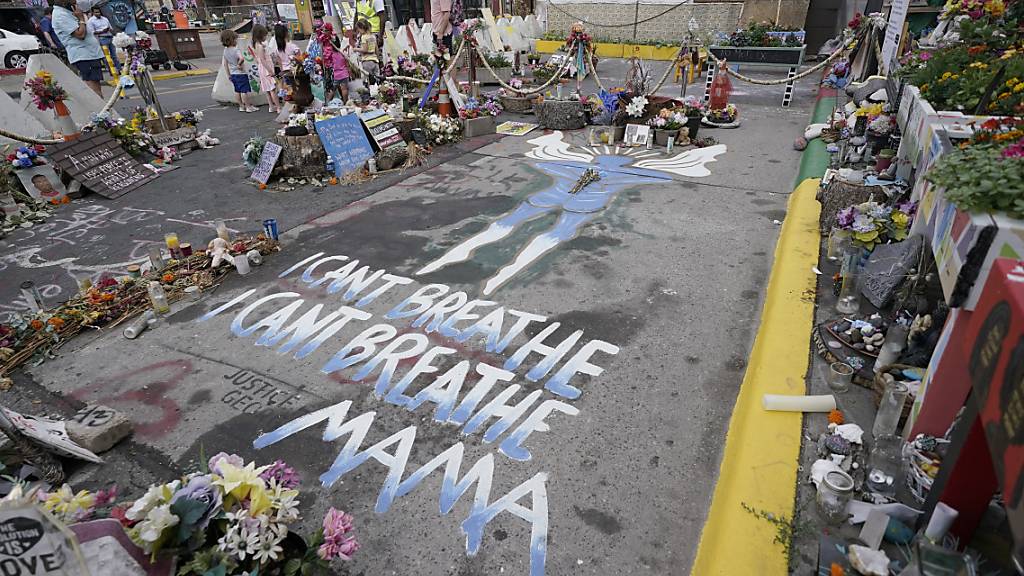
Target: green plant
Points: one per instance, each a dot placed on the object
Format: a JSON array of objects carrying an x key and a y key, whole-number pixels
[
  {"x": 786, "y": 529},
  {"x": 497, "y": 60},
  {"x": 982, "y": 178}
]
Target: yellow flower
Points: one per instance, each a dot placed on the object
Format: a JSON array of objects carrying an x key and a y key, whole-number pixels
[
  {"x": 46, "y": 76},
  {"x": 1008, "y": 54},
  {"x": 980, "y": 65},
  {"x": 67, "y": 504},
  {"x": 995, "y": 7},
  {"x": 900, "y": 219},
  {"x": 258, "y": 500},
  {"x": 238, "y": 482},
  {"x": 1012, "y": 82},
  {"x": 924, "y": 87},
  {"x": 1018, "y": 87},
  {"x": 946, "y": 76}
]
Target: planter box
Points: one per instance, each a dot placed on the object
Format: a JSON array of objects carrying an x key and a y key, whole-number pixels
[
  {"x": 478, "y": 126},
  {"x": 753, "y": 55},
  {"x": 486, "y": 78}
]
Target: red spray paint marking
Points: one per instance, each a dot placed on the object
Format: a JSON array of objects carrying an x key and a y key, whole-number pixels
[{"x": 141, "y": 387}]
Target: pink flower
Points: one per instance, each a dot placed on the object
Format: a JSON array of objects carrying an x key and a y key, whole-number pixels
[
  {"x": 233, "y": 459},
  {"x": 285, "y": 475},
  {"x": 336, "y": 544},
  {"x": 1015, "y": 150},
  {"x": 926, "y": 56},
  {"x": 105, "y": 497}
]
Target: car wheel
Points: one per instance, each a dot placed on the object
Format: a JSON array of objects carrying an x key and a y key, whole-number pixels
[
  {"x": 155, "y": 66},
  {"x": 16, "y": 60},
  {"x": 167, "y": 65}
]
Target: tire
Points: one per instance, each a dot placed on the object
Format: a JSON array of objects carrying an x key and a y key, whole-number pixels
[
  {"x": 155, "y": 66},
  {"x": 16, "y": 60},
  {"x": 167, "y": 65}
]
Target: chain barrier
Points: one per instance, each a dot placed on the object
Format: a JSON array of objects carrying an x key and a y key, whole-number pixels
[
  {"x": 627, "y": 25},
  {"x": 556, "y": 76}
]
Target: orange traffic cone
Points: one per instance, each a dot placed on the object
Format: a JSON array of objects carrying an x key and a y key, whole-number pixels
[
  {"x": 67, "y": 126},
  {"x": 444, "y": 104}
]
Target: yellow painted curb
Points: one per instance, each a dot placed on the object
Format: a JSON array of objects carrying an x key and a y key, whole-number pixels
[
  {"x": 762, "y": 449},
  {"x": 182, "y": 74},
  {"x": 616, "y": 50}
]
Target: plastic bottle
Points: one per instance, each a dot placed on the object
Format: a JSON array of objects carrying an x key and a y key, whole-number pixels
[{"x": 158, "y": 298}]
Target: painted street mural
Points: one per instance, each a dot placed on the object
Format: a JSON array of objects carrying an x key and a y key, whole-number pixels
[
  {"x": 617, "y": 168},
  {"x": 284, "y": 320}
]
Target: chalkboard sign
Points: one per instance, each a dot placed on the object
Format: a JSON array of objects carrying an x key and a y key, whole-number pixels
[
  {"x": 99, "y": 163},
  {"x": 345, "y": 141},
  {"x": 758, "y": 55},
  {"x": 381, "y": 127},
  {"x": 886, "y": 268},
  {"x": 268, "y": 158}
]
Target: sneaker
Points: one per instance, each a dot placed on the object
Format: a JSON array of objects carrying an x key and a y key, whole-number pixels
[
  {"x": 242, "y": 109},
  {"x": 252, "y": 109}
]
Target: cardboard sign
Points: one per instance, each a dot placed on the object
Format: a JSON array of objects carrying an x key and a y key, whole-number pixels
[
  {"x": 31, "y": 544},
  {"x": 515, "y": 128},
  {"x": 174, "y": 137},
  {"x": 99, "y": 163},
  {"x": 382, "y": 128},
  {"x": 344, "y": 140},
  {"x": 50, "y": 433},
  {"x": 268, "y": 158},
  {"x": 893, "y": 34}
]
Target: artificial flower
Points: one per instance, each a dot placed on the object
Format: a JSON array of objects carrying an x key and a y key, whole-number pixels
[
  {"x": 238, "y": 481},
  {"x": 636, "y": 106},
  {"x": 157, "y": 520},
  {"x": 222, "y": 457}
]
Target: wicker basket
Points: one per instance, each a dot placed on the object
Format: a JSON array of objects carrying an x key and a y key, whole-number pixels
[
  {"x": 517, "y": 104},
  {"x": 878, "y": 387},
  {"x": 829, "y": 135}
]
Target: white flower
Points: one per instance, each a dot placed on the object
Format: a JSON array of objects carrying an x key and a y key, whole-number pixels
[
  {"x": 156, "y": 521},
  {"x": 636, "y": 106},
  {"x": 140, "y": 35},
  {"x": 123, "y": 41},
  {"x": 153, "y": 497}
]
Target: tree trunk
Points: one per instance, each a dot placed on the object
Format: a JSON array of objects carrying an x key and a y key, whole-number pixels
[{"x": 301, "y": 156}]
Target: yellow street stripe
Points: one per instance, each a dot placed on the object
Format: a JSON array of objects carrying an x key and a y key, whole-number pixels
[{"x": 762, "y": 449}]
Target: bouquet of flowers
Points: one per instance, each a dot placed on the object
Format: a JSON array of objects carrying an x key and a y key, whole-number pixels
[
  {"x": 188, "y": 117},
  {"x": 668, "y": 119},
  {"x": 692, "y": 106},
  {"x": 636, "y": 107},
  {"x": 441, "y": 129},
  {"x": 26, "y": 156},
  {"x": 874, "y": 223},
  {"x": 46, "y": 93},
  {"x": 725, "y": 115},
  {"x": 234, "y": 515},
  {"x": 577, "y": 33},
  {"x": 389, "y": 93},
  {"x": 475, "y": 109},
  {"x": 252, "y": 151}
]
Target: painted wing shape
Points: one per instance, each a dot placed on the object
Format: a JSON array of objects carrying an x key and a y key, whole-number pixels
[
  {"x": 689, "y": 163},
  {"x": 552, "y": 147}
]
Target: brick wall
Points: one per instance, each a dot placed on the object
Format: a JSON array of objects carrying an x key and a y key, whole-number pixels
[{"x": 673, "y": 26}]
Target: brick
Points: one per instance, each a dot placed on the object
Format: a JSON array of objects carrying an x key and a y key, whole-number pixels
[{"x": 98, "y": 428}]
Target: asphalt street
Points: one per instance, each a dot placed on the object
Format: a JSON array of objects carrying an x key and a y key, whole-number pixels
[{"x": 579, "y": 354}]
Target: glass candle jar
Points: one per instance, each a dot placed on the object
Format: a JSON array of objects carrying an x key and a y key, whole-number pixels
[
  {"x": 156, "y": 258},
  {"x": 173, "y": 245},
  {"x": 834, "y": 493},
  {"x": 158, "y": 298},
  {"x": 890, "y": 409},
  {"x": 839, "y": 243},
  {"x": 840, "y": 375},
  {"x": 849, "y": 291},
  {"x": 885, "y": 465}
]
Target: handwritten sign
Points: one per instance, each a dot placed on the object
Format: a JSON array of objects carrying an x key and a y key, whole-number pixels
[
  {"x": 99, "y": 163},
  {"x": 271, "y": 152},
  {"x": 886, "y": 269},
  {"x": 893, "y": 34},
  {"x": 345, "y": 141},
  {"x": 381, "y": 127},
  {"x": 174, "y": 137}
]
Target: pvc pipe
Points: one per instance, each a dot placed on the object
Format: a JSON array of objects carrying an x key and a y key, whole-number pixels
[
  {"x": 786, "y": 403},
  {"x": 940, "y": 522}
]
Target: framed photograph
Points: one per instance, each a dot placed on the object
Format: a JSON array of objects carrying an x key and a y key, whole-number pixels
[
  {"x": 636, "y": 135},
  {"x": 42, "y": 183}
]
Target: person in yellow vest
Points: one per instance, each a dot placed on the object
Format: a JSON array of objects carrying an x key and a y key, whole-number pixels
[{"x": 374, "y": 12}]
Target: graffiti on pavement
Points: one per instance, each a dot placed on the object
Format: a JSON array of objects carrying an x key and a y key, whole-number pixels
[
  {"x": 143, "y": 394},
  {"x": 619, "y": 168},
  {"x": 494, "y": 408}
]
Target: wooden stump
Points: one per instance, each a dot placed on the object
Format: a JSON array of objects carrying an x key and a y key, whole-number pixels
[
  {"x": 560, "y": 114},
  {"x": 839, "y": 195},
  {"x": 392, "y": 157},
  {"x": 301, "y": 156}
]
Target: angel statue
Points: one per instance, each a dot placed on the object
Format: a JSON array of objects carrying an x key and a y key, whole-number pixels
[{"x": 574, "y": 203}]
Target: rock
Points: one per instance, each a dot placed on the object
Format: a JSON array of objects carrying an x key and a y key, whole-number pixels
[
  {"x": 867, "y": 330},
  {"x": 859, "y": 346},
  {"x": 857, "y": 336},
  {"x": 98, "y": 428},
  {"x": 851, "y": 432},
  {"x": 843, "y": 326},
  {"x": 869, "y": 348},
  {"x": 837, "y": 445},
  {"x": 800, "y": 143},
  {"x": 867, "y": 561}
]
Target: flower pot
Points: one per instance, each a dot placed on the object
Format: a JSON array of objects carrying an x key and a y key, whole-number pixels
[
  {"x": 504, "y": 74},
  {"x": 661, "y": 136},
  {"x": 884, "y": 160},
  {"x": 478, "y": 126},
  {"x": 693, "y": 124}
]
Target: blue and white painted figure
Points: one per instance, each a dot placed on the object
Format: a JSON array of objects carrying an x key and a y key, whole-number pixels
[{"x": 619, "y": 169}]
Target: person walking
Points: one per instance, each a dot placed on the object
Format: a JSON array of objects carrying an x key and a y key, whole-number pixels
[
  {"x": 367, "y": 49},
  {"x": 46, "y": 27},
  {"x": 84, "y": 52},
  {"x": 264, "y": 66},
  {"x": 234, "y": 65},
  {"x": 100, "y": 27}
]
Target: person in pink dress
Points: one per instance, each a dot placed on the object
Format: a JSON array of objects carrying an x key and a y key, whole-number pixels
[
  {"x": 265, "y": 66},
  {"x": 339, "y": 72}
]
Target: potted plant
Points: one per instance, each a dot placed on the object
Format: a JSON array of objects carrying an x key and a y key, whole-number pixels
[
  {"x": 533, "y": 58},
  {"x": 693, "y": 109},
  {"x": 666, "y": 125},
  {"x": 500, "y": 64},
  {"x": 513, "y": 101},
  {"x": 478, "y": 117}
]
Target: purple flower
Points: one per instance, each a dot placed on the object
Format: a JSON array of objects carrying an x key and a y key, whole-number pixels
[
  {"x": 845, "y": 217},
  {"x": 863, "y": 223},
  {"x": 283, "y": 474},
  {"x": 908, "y": 207},
  {"x": 233, "y": 459},
  {"x": 201, "y": 489}
]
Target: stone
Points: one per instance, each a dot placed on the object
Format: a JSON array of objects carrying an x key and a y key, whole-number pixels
[
  {"x": 837, "y": 445},
  {"x": 886, "y": 268},
  {"x": 859, "y": 346},
  {"x": 98, "y": 428},
  {"x": 857, "y": 336},
  {"x": 869, "y": 347},
  {"x": 800, "y": 143},
  {"x": 867, "y": 561},
  {"x": 843, "y": 326},
  {"x": 857, "y": 141}
]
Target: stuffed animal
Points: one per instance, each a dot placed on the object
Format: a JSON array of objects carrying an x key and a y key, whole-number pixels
[
  {"x": 218, "y": 248},
  {"x": 204, "y": 140}
]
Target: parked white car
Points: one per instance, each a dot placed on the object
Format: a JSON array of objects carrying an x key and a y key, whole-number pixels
[{"x": 16, "y": 48}]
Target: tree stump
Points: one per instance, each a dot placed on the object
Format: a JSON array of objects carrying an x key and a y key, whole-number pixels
[
  {"x": 838, "y": 196},
  {"x": 392, "y": 157},
  {"x": 560, "y": 114},
  {"x": 301, "y": 156}
]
